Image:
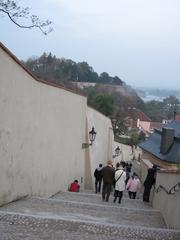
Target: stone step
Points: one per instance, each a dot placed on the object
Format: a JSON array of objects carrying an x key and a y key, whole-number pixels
[
  {"x": 32, "y": 227},
  {"x": 85, "y": 211},
  {"x": 125, "y": 193},
  {"x": 96, "y": 198}
]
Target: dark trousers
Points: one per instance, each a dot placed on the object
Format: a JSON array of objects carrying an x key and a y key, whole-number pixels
[
  {"x": 118, "y": 194},
  {"x": 132, "y": 195},
  {"x": 146, "y": 194},
  {"x": 106, "y": 191},
  {"x": 98, "y": 185}
]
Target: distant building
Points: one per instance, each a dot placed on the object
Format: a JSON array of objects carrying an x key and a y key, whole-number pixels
[
  {"x": 177, "y": 117},
  {"x": 83, "y": 85},
  {"x": 137, "y": 119},
  {"x": 155, "y": 125},
  {"x": 163, "y": 147}
]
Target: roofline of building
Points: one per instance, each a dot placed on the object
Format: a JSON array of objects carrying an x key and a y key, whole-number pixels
[
  {"x": 157, "y": 156},
  {"x": 33, "y": 76},
  {"x": 159, "y": 131}
]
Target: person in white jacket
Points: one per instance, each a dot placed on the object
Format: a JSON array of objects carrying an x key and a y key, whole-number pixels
[{"x": 120, "y": 181}]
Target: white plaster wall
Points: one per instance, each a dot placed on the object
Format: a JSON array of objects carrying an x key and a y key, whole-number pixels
[
  {"x": 125, "y": 154},
  {"x": 41, "y": 133},
  {"x": 102, "y": 148}
]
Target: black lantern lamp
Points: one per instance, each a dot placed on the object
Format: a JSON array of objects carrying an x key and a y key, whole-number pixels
[
  {"x": 117, "y": 152},
  {"x": 92, "y": 136}
]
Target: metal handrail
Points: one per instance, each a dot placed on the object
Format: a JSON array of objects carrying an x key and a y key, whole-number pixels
[{"x": 172, "y": 190}]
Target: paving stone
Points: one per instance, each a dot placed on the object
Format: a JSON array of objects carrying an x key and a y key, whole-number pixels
[
  {"x": 86, "y": 212},
  {"x": 83, "y": 216},
  {"x": 19, "y": 226},
  {"x": 96, "y": 198}
]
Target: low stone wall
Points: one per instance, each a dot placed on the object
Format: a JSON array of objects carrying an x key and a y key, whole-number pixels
[{"x": 168, "y": 204}]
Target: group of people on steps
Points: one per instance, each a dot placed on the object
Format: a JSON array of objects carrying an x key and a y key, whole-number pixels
[{"x": 120, "y": 178}]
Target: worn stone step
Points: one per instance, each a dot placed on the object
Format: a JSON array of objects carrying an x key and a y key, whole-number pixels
[
  {"x": 32, "y": 227},
  {"x": 125, "y": 193},
  {"x": 96, "y": 213},
  {"x": 96, "y": 198}
]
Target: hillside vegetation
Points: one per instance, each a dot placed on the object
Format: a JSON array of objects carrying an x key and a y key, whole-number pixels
[
  {"x": 109, "y": 95},
  {"x": 60, "y": 70}
]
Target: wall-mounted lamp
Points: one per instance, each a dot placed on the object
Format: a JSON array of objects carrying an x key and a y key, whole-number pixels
[
  {"x": 92, "y": 136},
  {"x": 117, "y": 152}
]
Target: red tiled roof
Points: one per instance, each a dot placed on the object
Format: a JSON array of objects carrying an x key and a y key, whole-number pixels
[
  {"x": 138, "y": 114},
  {"x": 177, "y": 117}
]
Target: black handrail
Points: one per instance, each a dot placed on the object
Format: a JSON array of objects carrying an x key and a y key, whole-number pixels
[{"x": 172, "y": 190}]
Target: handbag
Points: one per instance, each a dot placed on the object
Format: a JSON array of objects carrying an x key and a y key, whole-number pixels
[{"x": 115, "y": 181}]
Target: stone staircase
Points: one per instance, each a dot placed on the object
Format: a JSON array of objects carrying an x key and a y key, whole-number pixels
[{"x": 83, "y": 216}]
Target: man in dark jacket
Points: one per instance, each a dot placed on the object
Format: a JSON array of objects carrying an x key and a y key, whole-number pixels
[
  {"x": 149, "y": 182},
  {"x": 108, "y": 177},
  {"x": 98, "y": 178}
]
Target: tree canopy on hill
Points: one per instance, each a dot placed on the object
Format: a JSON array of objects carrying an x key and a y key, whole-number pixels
[
  {"x": 159, "y": 110},
  {"x": 103, "y": 96},
  {"x": 60, "y": 70}
]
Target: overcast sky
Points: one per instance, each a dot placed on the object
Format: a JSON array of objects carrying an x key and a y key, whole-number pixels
[{"x": 137, "y": 40}]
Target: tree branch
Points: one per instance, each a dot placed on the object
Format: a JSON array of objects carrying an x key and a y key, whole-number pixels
[{"x": 13, "y": 12}]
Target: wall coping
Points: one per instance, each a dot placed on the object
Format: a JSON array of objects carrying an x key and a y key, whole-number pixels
[
  {"x": 11, "y": 55},
  {"x": 169, "y": 171},
  {"x": 147, "y": 163},
  {"x": 162, "y": 170}
]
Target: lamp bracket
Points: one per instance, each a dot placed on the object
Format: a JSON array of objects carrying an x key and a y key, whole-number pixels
[{"x": 85, "y": 145}]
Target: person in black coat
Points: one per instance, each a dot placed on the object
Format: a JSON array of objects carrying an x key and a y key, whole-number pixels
[
  {"x": 149, "y": 182},
  {"x": 98, "y": 178}
]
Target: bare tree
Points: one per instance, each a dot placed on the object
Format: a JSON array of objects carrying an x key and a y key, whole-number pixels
[{"x": 15, "y": 12}]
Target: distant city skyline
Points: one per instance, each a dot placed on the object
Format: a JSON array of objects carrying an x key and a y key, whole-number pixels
[{"x": 136, "y": 40}]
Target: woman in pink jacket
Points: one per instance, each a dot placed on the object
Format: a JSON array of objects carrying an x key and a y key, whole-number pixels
[{"x": 133, "y": 186}]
